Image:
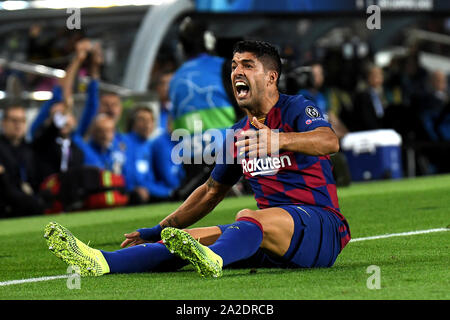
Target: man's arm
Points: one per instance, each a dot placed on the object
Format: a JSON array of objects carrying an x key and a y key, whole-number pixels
[
  {"x": 201, "y": 202},
  {"x": 92, "y": 96},
  {"x": 318, "y": 142},
  {"x": 82, "y": 49}
]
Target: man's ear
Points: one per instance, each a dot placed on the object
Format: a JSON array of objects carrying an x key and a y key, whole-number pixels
[{"x": 273, "y": 76}]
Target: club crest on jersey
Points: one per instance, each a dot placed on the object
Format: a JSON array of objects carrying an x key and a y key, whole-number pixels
[
  {"x": 312, "y": 112},
  {"x": 265, "y": 166}
]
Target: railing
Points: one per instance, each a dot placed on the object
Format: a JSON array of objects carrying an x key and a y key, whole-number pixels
[{"x": 44, "y": 71}]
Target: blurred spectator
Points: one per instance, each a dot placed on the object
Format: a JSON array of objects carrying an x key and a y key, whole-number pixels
[
  {"x": 111, "y": 104},
  {"x": 433, "y": 112},
  {"x": 102, "y": 150},
  {"x": 414, "y": 77},
  {"x": 19, "y": 194},
  {"x": 53, "y": 127},
  {"x": 165, "y": 170},
  {"x": 108, "y": 103},
  {"x": 371, "y": 103},
  {"x": 139, "y": 172},
  {"x": 76, "y": 172},
  {"x": 312, "y": 90},
  {"x": 434, "y": 105},
  {"x": 198, "y": 95},
  {"x": 54, "y": 150},
  {"x": 165, "y": 105},
  {"x": 105, "y": 148},
  {"x": 311, "y": 80}
]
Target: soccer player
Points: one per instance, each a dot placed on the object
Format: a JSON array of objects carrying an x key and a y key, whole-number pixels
[{"x": 298, "y": 222}]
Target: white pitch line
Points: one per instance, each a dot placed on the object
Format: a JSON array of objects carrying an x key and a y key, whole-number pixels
[
  {"x": 410, "y": 233},
  {"x": 401, "y": 234},
  {"x": 11, "y": 282}
]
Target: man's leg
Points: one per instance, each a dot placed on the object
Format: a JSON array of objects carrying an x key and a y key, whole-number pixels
[
  {"x": 278, "y": 227},
  {"x": 141, "y": 258},
  {"x": 270, "y": 229},
  {"x": 155, "y": 256},
  {"x": 207, "y": 235}
]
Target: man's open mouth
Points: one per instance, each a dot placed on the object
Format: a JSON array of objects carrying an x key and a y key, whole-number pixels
[{"x": 242, "y": 89}]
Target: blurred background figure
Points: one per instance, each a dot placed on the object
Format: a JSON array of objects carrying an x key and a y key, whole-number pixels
[
  {"x": 434, "y": 105},
  {"x": 140, "y": 178},
  {"x": 312, "y": 81},
  {"x": 111, "y": 104},
  {"x": 199, "y": 100},
  {"x": 102, "y": 150},
  {"x": 165, "y": 105},
  {"x": 433, "y": 120},
  {"x": 19, "y": 182},
  {"x": 53, "y": 146},
  {"x": 370, "y": 104}
]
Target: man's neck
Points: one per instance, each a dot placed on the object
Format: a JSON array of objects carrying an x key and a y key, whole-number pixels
[{"x": 267, "y": 103}]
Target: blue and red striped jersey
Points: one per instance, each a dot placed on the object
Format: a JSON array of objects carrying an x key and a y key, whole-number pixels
[{"x": 289, "y": 178}]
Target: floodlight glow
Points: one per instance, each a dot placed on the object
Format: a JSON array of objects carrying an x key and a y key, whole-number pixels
[
  {"x": 58, "y": 4},
  {"x": 14, "y": 5},
  {"x": 41, "y": 95}
]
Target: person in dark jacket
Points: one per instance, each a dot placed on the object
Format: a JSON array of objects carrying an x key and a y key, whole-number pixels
[
  {"x": 54, "y": 150},
  {"x": 371, "y": 104},
  {"x": 18, "y": 177}
]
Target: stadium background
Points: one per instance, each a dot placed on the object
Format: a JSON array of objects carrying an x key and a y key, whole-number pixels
[{"x": 140, "y": 40}]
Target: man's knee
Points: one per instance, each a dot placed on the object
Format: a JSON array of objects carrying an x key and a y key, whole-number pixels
[{"x": 245, "y": 213}]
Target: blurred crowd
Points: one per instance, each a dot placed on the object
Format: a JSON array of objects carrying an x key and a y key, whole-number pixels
[
  {"x": 71, "y": 164},
  {"x": 402, "y": 96},
  {"x": 61, "y": 162}
]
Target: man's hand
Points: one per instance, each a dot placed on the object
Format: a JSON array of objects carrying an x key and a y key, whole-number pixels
[
  {"x": 259, "y": 143},
  {"x": 97, "y": 60},
  {"x": 132, "y": 239},
  {"x": 97, "y": 54},
  {"x": 83, "y": 47},
  {"x": 142, "y": 236},
  {"x": 143, "y": 194}
]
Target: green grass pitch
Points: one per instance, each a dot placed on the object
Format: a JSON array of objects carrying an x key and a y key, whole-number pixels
[{"x": 411, "y": 267}]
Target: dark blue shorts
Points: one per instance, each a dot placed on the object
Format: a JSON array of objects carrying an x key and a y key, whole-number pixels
[
  {"x": 317, "y": 237},
  {"x": 316, "y": 241}
]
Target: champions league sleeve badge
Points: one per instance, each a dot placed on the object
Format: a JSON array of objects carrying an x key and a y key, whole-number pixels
[{"x": 312, "y": 112}]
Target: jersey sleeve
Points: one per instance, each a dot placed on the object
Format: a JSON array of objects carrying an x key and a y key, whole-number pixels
[
  {"x": 307, "y": 116},
  {"x": 227, "y": 170}
]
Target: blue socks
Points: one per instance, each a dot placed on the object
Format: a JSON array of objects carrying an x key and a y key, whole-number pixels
[
  {"x": 239, "y": 240},
  {"x": 143, "y": 258}
]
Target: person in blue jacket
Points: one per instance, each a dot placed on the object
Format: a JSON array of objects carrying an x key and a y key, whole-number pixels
[{"x": 139, "y": 171}]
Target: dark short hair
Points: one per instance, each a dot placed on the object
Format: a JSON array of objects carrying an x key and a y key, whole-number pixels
[
  {"x": 133, "y": 114},
  {"x": 264, "y": 51},
  {"x": 8, "y": 109},
  {"x": 191, "y": 34},
  {"x": 104, "y": 92}
]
